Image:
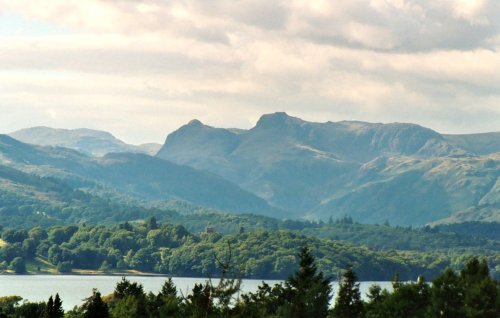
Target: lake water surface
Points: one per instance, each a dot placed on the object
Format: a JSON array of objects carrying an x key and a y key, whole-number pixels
[{"x": 74, "y": 288}]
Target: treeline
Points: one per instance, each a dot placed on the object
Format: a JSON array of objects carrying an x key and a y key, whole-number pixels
[
  {"x": 172, "y": 250},
  {"x": 376, "y": 236},
  {"x": 81, "y": 208},
  {"x": 489, "y": 230},
  {"x": 469, "y": 293},
  {"x": 29, "y": 200}
]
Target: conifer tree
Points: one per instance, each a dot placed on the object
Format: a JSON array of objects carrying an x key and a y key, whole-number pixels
[
  {"x": 200, "y": 301},
  {"x": 49, "y": 308},
  {"x": 58, "y": 311},
  {"x": 348, "y": 303},
  {"x": 54, "y": 308},
  {"x": 309, "y": 290},
  {"x": 95, "y": 307},
  {"x": 167, "y": 303},
  {"x": 168, "y": 288}
]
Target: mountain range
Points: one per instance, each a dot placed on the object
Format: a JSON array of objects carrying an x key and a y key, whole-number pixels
[{"x": 400, "y": 173}]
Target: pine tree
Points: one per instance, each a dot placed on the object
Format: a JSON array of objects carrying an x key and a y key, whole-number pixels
[
  {"x": 58, "y": 311},
  {"x": 49, "y": 308},
  {"x": 168, "y": 288},
  {"x": 200, "y": 301},
  {"x": 309, "y": 290},
  {"x": 348, "y": 303},
  {"x": 166, "y": 303},
  {"x": 54, "y": 308},
  {"x": 95, "y": 307}
]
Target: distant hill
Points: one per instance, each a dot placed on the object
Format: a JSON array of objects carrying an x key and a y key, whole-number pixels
[
  {"x": 480, "y": 144},
  {"x": 88, "y": 141},
  {"x": 403, "y": 173},
  {"x": 137, "y": 175}
]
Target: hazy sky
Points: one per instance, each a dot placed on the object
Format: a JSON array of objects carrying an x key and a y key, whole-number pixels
[{"x": 141, "y": 69}]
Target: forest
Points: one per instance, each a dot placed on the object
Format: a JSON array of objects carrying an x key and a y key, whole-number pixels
[
  {"x": 170, "y": 249},
  {"x": 470, "y": 292}
]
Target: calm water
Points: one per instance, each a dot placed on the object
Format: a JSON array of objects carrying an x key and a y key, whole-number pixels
[{"x": 73, "y": 289}]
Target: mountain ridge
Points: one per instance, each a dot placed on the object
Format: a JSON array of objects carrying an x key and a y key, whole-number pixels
[
  {"x": 307, "y": 167},
  {"x": 374, "y": 172}
]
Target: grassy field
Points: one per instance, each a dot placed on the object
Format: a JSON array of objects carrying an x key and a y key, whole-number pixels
[{"x": 40, "y": 266}]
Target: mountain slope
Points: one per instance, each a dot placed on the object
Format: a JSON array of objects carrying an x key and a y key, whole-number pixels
[
  {"x": 480, "y": 144},
  {"x": 138, "y": 175},
  {"x": 88, "y": 141},
  {"x": 375, "y": 172},
  {"x": 28, "y": 200},
  {"x": 156, "y": 179},
  {"x": 410, "y": 191}
]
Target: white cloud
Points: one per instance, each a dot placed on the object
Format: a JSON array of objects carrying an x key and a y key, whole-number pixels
[{"x": 143, "y": 68}]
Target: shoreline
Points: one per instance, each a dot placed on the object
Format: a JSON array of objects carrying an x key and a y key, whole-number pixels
[
  {"x": 142, "y": 274},
  {"x": 90, "y": 274}
]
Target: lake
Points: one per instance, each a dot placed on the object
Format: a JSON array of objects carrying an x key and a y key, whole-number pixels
[{"x": 74, "y": 288}]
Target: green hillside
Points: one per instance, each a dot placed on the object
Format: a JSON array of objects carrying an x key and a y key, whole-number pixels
[{"x": 132, "y": 175}]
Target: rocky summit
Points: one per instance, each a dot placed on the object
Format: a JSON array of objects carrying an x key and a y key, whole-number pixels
[{"x": 398, "y": 172}]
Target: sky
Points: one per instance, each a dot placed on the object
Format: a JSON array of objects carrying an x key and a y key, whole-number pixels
[{"x": 141, "y": 69}]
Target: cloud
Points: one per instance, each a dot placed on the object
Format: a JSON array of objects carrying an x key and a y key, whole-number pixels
[{"x": 143, "y": 68}]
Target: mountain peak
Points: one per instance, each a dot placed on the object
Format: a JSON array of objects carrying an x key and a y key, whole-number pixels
[
  {"x": 195, "y": 123},
  {"x": 276, "y": 119}
]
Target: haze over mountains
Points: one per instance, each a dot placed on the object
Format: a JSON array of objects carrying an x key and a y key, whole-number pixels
[
  {"x": 88, "y": 141},
  {"x": 128, "y": 174},
  {"x": 283, "y": 167}
]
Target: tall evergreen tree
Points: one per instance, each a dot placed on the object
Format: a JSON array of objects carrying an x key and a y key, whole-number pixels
[
  {"x": 168, "y": 288},
  {"x": 95, "y": 307},
  {"x": 200, "y": 302},
  {"x": 348, "y": 303},
  {"x": 54, "y": 308},
  {"x": 166, "y": 303},
  {"x": 309, "y": 291},
  {"x": 49, "y": 308},
  {"x": 58, "y": 311}
]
